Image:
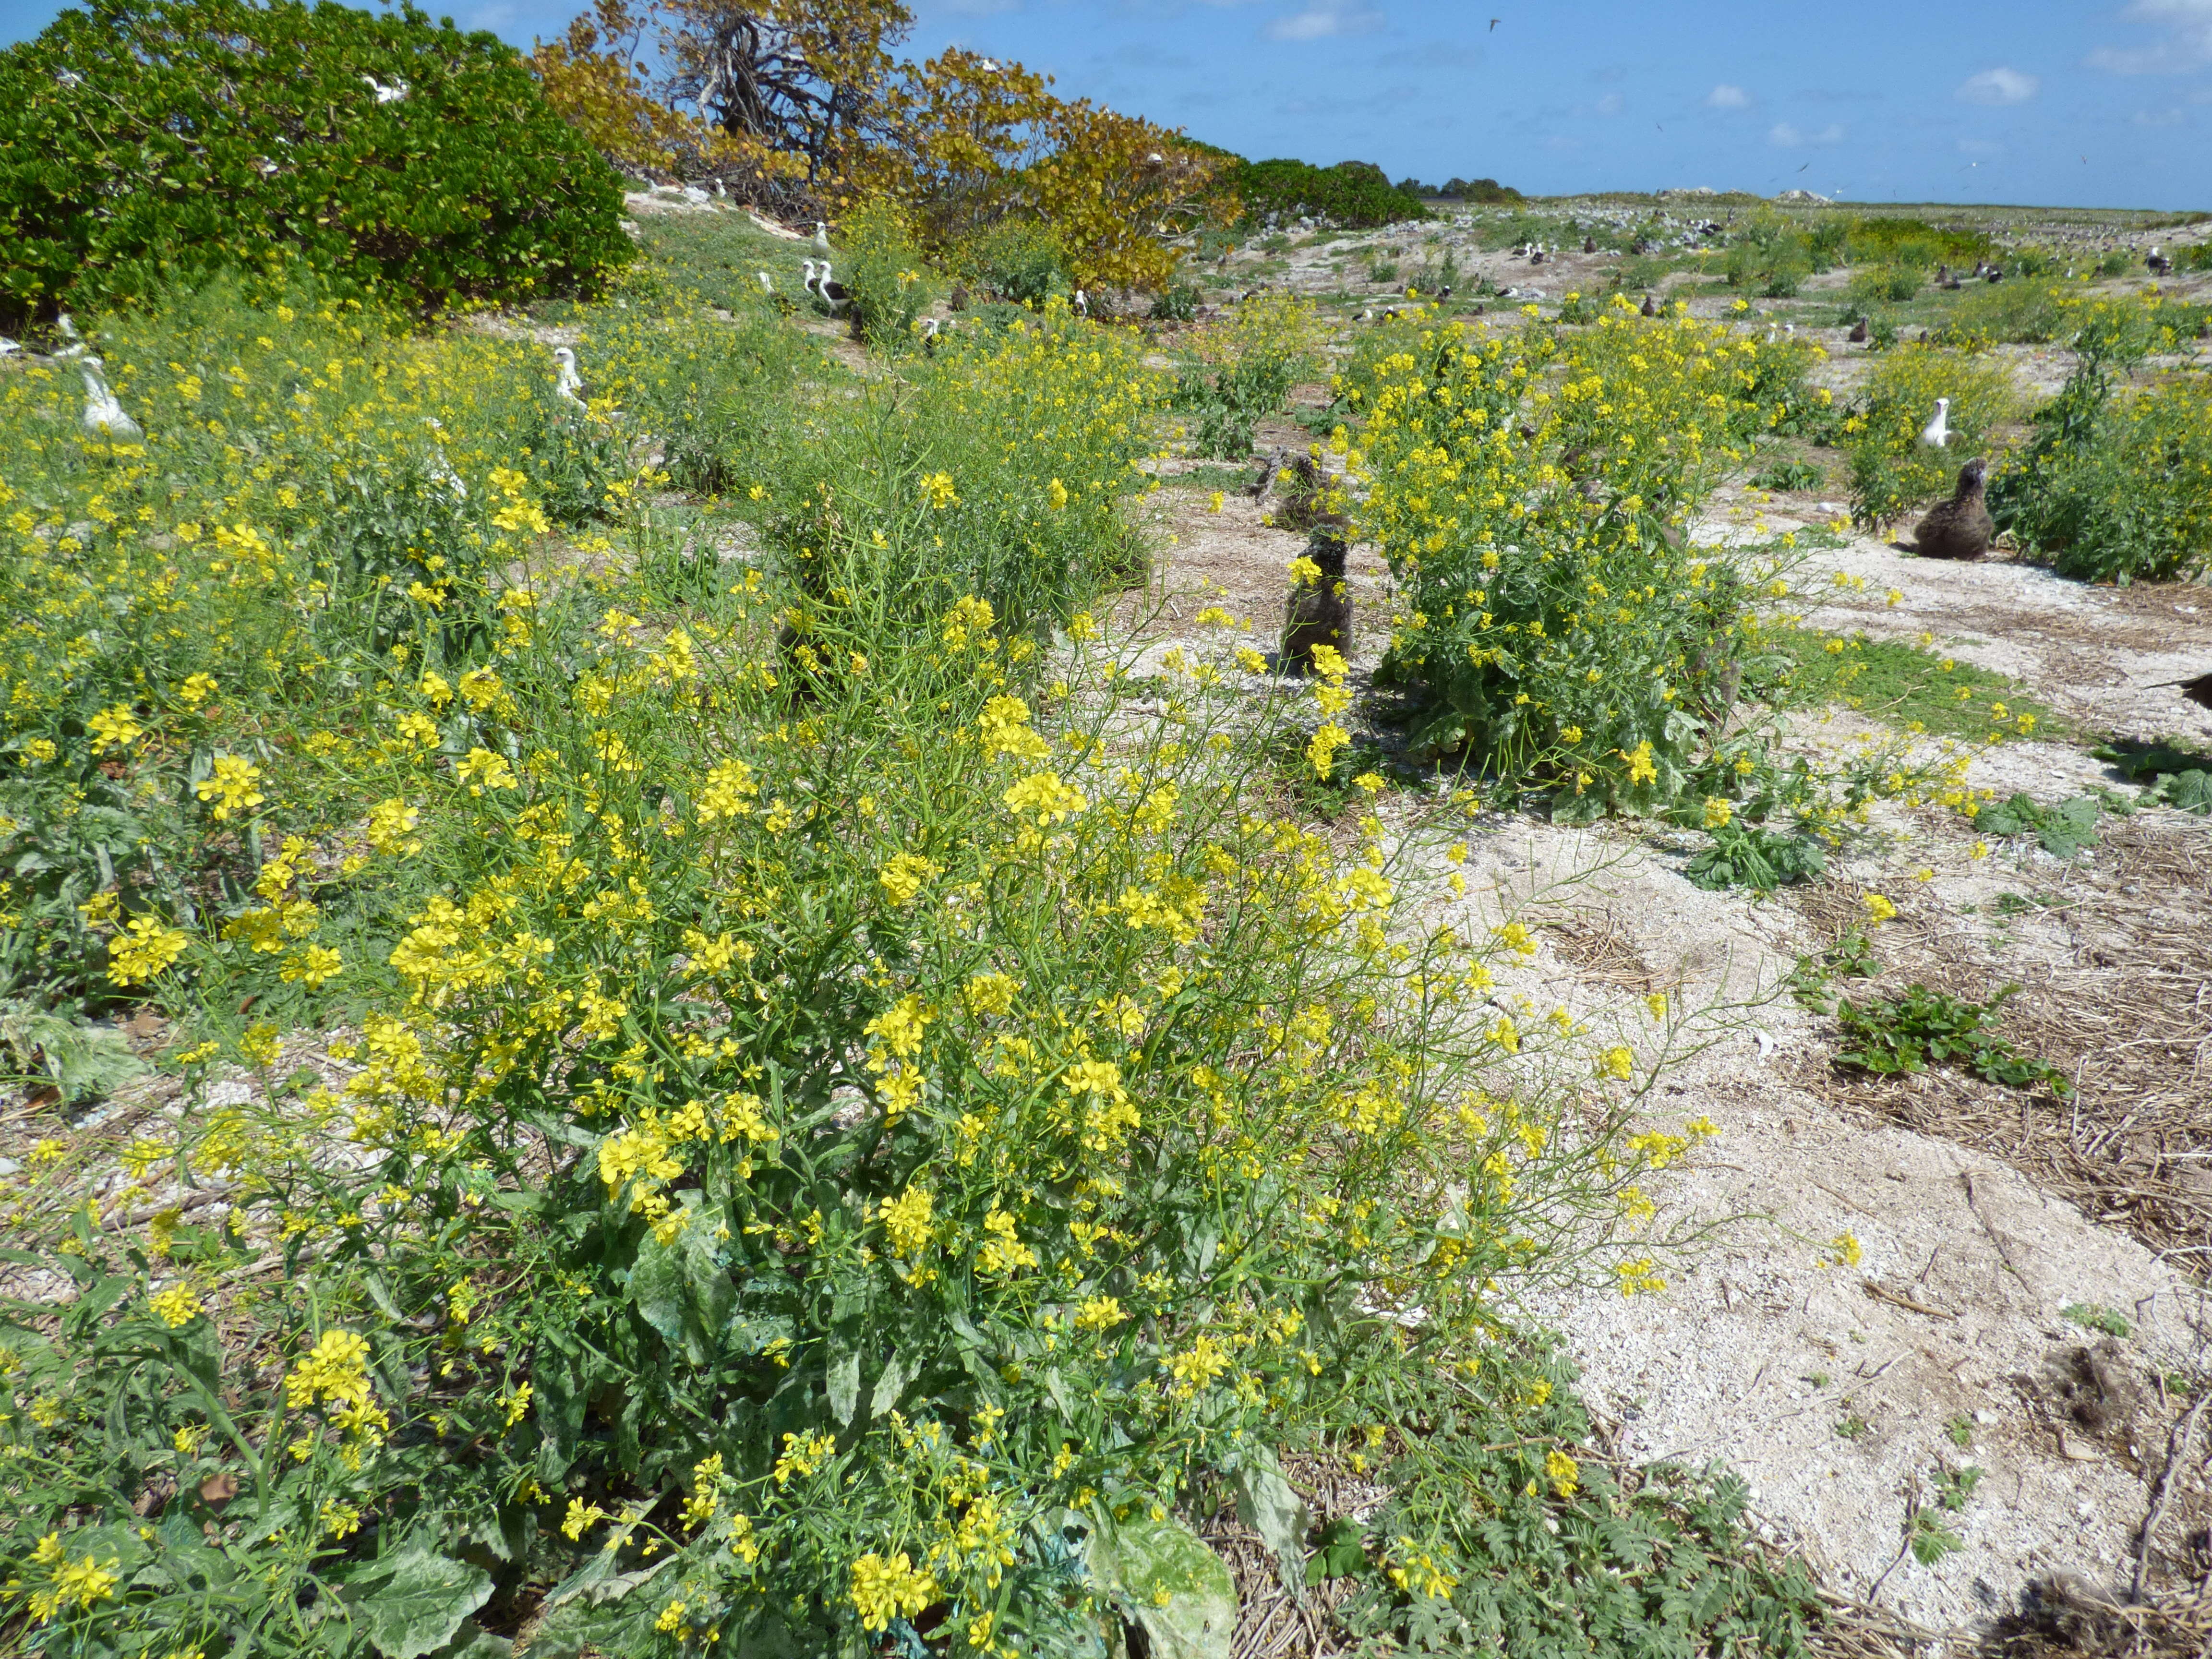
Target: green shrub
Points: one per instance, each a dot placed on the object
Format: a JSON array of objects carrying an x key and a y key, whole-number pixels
[
  {"x": 1175, "y": 303},
  {"x": 1018, "y": 259},
  {"x": 2129, "y": 498},
  {"x": 1914, "y": 242},
  {"x": 1892, "y": 472},
  {"x": 1769, "y": 256},
  {"x": 1483, "y": 192},
  {"x": 2030, "y": 311},
  {"x": 1880, "y": 285},
  {"x": 1351, "y": 194},
  {"x": 887, "y": 274},
  {"x": 2116, "y": 488},
  {"x": 838, "y": 1093},
  {"x": 1551, "y": 608},
  {"x": 1245, "y": 370},
  {"x": 1892, "y": 1035},
  {"x": 145, "y": 141}
]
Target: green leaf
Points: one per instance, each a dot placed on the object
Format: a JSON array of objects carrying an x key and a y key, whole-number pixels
[
  {"x": 425, "y": 1604},
  {"x": 1340, "y": 1551},
  {"x": 1265, "y": 1503},
  {"x": 2192, "y": 791},
  {"x": 683, "y": 1288}
]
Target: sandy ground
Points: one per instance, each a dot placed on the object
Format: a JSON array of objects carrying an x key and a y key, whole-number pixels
[{"x": 1843, "y": 1393}]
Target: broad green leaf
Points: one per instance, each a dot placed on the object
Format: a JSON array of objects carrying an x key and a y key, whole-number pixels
[{"x": 423, "y": 1603}]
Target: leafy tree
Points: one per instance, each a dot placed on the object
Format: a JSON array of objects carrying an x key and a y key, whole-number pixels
[
  {"x": 806, "y": 78},
  {"x": 595, "y": 76},
  {"x": 143, "y": 142},
  {"x": 1352, "y": 193},
  {"x": 968, "y": 143}
]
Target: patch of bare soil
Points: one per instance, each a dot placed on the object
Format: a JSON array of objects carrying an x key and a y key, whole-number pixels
[
  {"x": 1900, "y": 1281},
  {"x": 2110, "y": 952}
]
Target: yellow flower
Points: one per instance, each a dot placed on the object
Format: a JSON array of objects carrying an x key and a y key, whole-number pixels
[
  {"x": 1320, "y": 751},
  {"x": 79, "y": 1583},
  {"x": 261, "y": 1044},
  {"x": 903, "y": 875},
  {"x": 937, "y": 490},
  {"x": 482, "y": 769},
  {"x": 115, "y": 728},
  {"x": 1563, "y": 1472},
  {"x": 1056, "y": 493},
  {"x": 1846, "y": 1250},
  {"x": 884, "y": 1589},
  {"x": 196, "y": 689},
  {"x": 1641, "y": 769},
  {"x": 1045, "y": 795},
  {"x": 312, "y": 967},
  {"x": 176, "y": 1307},
  {"x": 580, "y": 1519},
  {"x": 1718, "y": 811},
  {"x": 993, "y": 993},
  {"x": 1878, "y": 908},
  {"x": 146, "y": 951},
  {"x": 389, "y": 822},
  {"x": 339, "y": 1520},
  {"x": 1618, "y": 1062},
  {"x": 906, "y": 1221},
  {"x": 1098, "y": 1313},
  {"x": 231, "y": 786}
]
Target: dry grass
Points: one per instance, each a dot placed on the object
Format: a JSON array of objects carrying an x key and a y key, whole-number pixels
[{"x": 2123, "y": 1008}]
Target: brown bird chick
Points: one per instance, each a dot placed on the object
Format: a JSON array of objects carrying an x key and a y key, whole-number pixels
[
  {"x": 1589, "y": 244},
  {"x": 959, "y": 300},
  {"x": 1961, "y": 527},
  {"x": 1858, "y": 334},
  {"x": 2198, "y": 690},
  {"x": 1649, "y": 309},
  {"x": 1305, "y": 493},
  {"x": 1319, "y": 609},
  {"x": 1270, "y": 465}
]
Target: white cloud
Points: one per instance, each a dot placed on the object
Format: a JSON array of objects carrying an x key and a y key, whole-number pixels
[
  {"x": 2164, "y": 118},
  {"x": 1979, "y": 147},
  {"x": 1324, "y": 19},
  {"x": 1725, "y": 96},
  {"x": 2188, "y": 44},
  {"x": 1612, "y": 104},
  {"x": 1998, "y": 86},
  {"x": 1790, "y": 137}
]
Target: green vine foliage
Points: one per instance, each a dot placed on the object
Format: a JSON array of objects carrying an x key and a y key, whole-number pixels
[{"x": 145, "y": 141}]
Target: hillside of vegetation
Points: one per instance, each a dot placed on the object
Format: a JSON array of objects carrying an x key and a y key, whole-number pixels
[{"x": 686, "y": 966}]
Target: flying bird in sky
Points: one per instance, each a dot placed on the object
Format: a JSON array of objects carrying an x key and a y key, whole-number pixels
[{"x": 1494, "y": 26}]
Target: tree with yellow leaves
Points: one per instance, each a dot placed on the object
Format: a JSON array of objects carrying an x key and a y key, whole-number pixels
[{"x": 595, "y": 76}]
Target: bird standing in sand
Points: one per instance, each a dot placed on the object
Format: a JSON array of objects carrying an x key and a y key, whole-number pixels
[
  {"x": 1961, "y": 527},
  {"x": 1937, "y": 432}
]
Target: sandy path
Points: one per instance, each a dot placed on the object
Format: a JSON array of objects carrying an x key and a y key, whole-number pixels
[{"x": 1843, "y": 1393}]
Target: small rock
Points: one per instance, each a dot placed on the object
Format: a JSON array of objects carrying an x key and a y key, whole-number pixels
[{"x": 2074, "y": 1446}]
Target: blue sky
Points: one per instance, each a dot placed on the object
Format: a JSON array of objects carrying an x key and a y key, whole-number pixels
[{"x": 2107, "y": 103}]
